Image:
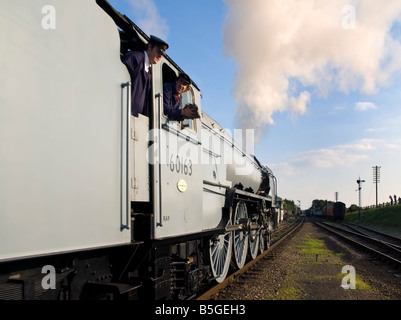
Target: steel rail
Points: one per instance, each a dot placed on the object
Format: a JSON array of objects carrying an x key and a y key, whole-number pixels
[
  {"x": 393, "y": 256},
  {"x": 389, "y": 239},
  {"x": 215, "y": 289}
]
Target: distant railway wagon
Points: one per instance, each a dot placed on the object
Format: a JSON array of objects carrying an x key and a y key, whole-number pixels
[{"x": 334, "y": 211}]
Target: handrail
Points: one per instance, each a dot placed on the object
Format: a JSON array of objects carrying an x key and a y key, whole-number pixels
[{"x": 127, "y": 157}]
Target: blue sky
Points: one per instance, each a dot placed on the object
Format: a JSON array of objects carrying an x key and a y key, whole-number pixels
[{"x": 320, "y": 84}]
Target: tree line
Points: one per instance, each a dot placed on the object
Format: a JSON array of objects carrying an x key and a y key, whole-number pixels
[{"x": 318, "y": 205}]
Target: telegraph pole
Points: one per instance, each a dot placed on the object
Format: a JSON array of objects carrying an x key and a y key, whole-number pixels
[
  {"x": 359, "y": 182},
  {"x": 376, "y": 180}
]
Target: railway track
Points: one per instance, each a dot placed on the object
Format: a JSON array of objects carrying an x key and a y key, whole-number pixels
[
  {"x": 280, "y": 235},
  {"x": 386, "y": 248},
  {"x": 391, "y": 240}
]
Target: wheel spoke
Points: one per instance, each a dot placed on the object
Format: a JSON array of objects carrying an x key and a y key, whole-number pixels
[
  {"x": 262, "y": 241},
  {"x": 220, "y": 255},
  {"x": 254, "y": 245},
  {"x": 240, "y": 246}
]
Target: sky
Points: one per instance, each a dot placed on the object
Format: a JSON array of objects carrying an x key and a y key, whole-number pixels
[{"x": 319, "y": 82}]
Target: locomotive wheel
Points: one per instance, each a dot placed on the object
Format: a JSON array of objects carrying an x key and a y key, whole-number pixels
[
  {"x": 267, "y": 239},
  {"x": 254, "y": 240},
  {"x": 240, "y": 238},
  {"x": 220, "y": 248},
  {"x": 262, "y": 241}
]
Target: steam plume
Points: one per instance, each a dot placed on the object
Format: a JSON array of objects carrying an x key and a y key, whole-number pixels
[{"x": 288, "y": 50}]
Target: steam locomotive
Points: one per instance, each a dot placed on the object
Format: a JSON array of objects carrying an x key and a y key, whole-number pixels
[{"x": 96, "y": 203}]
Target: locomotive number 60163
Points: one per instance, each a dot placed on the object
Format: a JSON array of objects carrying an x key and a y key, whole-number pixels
[{"x": 180, "y": 165}]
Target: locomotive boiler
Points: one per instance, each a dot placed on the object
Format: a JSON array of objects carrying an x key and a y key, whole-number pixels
[{"x": 96, "y": 203}]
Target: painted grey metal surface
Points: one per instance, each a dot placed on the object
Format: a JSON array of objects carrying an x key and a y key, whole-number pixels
[{"x": 62, "y": 160}]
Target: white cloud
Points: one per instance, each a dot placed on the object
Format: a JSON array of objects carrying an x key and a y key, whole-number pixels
[
  {"x": 337, "y": 156},
  {"x": 363, "y": 106},
  {"x": 362, "y": 145},
  {"x": 148, "y": 18},
  {"x": 327, "y": 158},
  {"x": 317, "y": 174},
  {"x": 375, "y": 130}
]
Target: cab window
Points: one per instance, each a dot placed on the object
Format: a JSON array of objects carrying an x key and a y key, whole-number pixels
[
  {"x": 169, "y": 76},
  {"x": 188, "y": 97}
]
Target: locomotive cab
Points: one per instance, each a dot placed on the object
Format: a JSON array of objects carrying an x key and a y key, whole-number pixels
[{"x": 165, "y": 174}]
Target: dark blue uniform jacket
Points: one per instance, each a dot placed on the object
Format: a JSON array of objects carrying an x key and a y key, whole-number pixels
[
  {"x": 141, "y": 81},
  {"x": 172, "y": 106}
]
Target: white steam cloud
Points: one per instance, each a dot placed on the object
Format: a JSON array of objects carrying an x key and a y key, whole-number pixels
[
  {"x": 287, "y": 50},
  {"x": 148, "y": 18}
]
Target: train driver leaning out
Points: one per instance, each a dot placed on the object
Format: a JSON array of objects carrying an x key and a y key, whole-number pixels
[
  {"x": 172, "y": 99},
  {"x": 138, "y": 64}
]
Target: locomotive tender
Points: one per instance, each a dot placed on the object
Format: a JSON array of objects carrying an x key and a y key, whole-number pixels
[{"x": 96, "y": 203}]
